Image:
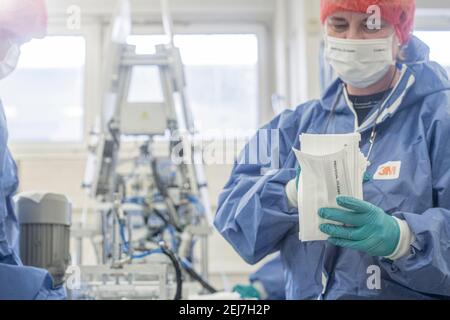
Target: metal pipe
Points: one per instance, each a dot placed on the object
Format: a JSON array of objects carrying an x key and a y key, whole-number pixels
[
  {"x": 167, "y": 20},
  {"x": 205, "y": 262}
]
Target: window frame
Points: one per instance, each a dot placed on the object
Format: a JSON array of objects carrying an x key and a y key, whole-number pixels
[
  {"x": 93, "y": 32},
  {"x": 432, "y": 20},
  {"x": 92, "y": 36},
  {"x": 264, "y": 85}
]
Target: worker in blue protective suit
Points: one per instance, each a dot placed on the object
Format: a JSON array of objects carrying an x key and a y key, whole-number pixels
[
  {"x": 20, "y": 21},
  {"x": 394, "y": 244},
  {"x": 266, "y": 283}
]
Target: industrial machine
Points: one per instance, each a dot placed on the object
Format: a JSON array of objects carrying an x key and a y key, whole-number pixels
[{"x": 154, "y": 213}]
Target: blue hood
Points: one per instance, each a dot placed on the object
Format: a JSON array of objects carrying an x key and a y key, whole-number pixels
[
  {"x": 429, "y": 76},
  {"x": 416, "y": 52}
]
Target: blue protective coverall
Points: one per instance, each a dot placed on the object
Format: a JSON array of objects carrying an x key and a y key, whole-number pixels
[
  {"x": 271, "y": 276},
  {"x": 17, "y": 282},
  {"x": 255, "y": 217}
]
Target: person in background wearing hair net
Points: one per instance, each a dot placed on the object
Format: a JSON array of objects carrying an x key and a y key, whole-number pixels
[
  {"x": 266, "y": 283},
  {"x": 20, "y": 21},
  {"x": 394, "y": 244}
]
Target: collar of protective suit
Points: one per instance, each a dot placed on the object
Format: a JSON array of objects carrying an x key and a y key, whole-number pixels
[{"x": 415, "y": 67}]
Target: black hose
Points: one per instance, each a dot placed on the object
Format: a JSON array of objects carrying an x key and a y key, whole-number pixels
[
  {"x": 160, "y": 230},
  {"x": 161, "y": 216},
  {"x": 199, "y": 278},
  {"x": 178, "y": 273}
]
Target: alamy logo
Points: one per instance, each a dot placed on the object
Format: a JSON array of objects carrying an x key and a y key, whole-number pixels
[
  {"x": 74, "y": 17},
  {"x": 374, "y": 278},
  {"x": 73, "y": 281},
  {"x": 374, "y": 20}
]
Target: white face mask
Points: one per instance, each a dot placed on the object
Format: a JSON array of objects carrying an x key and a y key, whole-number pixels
[
  {"x": 9, "y": 63},
  {"x": 360, "y": 63}
]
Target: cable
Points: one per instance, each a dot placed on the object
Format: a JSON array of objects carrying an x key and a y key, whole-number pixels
[
  {"x": 146, "y": 254},
  {"x": 194, "y": 200},
  {"x": 176, "y": 264},
  {"x": 190, "y": 270},
  {"x": 157, "y": 212},
  {"x": 126, "y": 247},
  {"x": 164, "y": 250},
  {"x": 178, "y": 274},
  {"x": 175, "y": 244},
  {"x": 122, "y": 235},
  {"x": 161, "y": 216}
]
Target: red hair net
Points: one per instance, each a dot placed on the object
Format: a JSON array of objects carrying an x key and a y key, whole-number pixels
[
  {"x": 399, "y": 13},
  {"x": 24, "y": 19}
]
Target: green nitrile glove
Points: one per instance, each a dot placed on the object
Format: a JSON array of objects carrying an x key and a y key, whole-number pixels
[
  {"x": 247, "y": 291},
  {"x": 367, "y": 227}
]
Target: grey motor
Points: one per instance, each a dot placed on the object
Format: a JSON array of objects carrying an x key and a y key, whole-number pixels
[{"x": 45, "y": 220}]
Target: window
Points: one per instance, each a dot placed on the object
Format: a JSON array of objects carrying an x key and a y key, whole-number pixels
[
  {"x": 43, "y": 98},
  {"x": 439, "y": 46},
  {"x": 221, "y": 73}
]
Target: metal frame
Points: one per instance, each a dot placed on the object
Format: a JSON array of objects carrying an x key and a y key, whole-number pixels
[
  {"x": 265, "y": 65},
  {"x": 102, "y": 278},
  {"x": 117, "y": 72}
]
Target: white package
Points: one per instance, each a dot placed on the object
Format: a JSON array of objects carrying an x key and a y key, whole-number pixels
[{"x": 331, "y": 165}]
